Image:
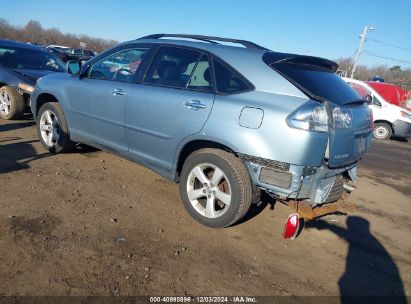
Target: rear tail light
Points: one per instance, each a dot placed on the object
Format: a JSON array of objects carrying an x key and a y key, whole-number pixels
[
  {"x": 312, "y": 116},
  {"x": 291, "y": 226}
]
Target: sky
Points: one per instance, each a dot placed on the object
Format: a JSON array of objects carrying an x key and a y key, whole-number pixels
[{"x": 329, "y": 29}]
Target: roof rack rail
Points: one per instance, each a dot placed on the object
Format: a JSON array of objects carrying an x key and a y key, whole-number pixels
[{"x": 211, "y": 39}]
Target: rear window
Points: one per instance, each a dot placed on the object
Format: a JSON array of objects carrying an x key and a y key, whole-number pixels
[{"x": 317, "y": 81}]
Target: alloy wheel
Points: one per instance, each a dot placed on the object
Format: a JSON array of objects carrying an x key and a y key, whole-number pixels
[
  {"x": 209, "y": 190},
  {"x": 5, "y": 103},
  {"x": 49, "y": 128}
]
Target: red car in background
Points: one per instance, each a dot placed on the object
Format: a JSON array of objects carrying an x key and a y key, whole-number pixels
[{"x": 391, "y": 93}]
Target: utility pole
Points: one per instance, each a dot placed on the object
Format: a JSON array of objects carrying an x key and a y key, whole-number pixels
[{"x": 359, "y": 50}]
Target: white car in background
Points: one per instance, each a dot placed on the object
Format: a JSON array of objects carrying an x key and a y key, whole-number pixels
[{"x": 389, "y": 120}]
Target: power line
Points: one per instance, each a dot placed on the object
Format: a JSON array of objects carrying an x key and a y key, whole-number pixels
[
  {"x": 391, "y": 45},
  {"x": 388, "y": 58}
]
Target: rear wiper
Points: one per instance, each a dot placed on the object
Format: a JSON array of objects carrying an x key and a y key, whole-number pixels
[{"x": 356, "y": 102}]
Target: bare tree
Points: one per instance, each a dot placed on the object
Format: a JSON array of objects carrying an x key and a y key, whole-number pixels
[
  {"x": 33, "y": 32},
  {"x": 395, "y": 74}
]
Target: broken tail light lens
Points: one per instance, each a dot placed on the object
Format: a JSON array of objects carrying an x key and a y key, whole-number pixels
[
  {"x": 312, "y": 116},
  {"x": 342, "y": 118},
  {"x": 291, "y": 226}
]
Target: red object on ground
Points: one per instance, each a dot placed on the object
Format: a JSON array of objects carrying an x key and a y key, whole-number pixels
[
  {"x": 391, "y": 93},
  {"x": 291, "y": 226}
]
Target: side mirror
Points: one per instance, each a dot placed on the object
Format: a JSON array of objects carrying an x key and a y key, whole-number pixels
[
  {"x": 84, "y": 70},
  {"x": 368, "y": 99},
  {"x": 73, "y": 67}
]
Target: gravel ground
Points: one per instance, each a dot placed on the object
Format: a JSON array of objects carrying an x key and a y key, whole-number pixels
[{"x": 90, "y": 223}]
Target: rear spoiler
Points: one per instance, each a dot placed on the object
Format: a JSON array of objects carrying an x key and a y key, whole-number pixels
[{"x": 271, "y": 58}]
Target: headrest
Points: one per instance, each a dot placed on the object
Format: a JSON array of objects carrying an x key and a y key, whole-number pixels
[
  {"x": 207, "y": 75},
  {"x": 168, "y": 70}
]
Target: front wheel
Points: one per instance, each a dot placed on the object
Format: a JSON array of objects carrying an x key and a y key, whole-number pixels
[
  {"x": 52, "y": 128},
  {"x": 11, "y": 103},
  {"x": 382, "y": 131},
  {"x": 215, "y": 187}
]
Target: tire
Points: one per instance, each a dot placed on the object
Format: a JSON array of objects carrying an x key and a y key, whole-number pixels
[
  {"x": 382, "y": 131},
  {"x": 236, "y": 184},
  {"x": 11, "y": 103},
  {"x": 52, "y": 129}
]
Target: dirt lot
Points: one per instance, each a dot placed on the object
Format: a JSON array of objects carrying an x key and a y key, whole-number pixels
[{"x": 89, "y": 223}]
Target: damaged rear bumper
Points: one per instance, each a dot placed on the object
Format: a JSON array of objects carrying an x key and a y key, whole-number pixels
[{"x": 314, "y": 185}]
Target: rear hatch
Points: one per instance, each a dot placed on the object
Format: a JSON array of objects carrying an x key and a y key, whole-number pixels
[{"x": 350, "y": 122}]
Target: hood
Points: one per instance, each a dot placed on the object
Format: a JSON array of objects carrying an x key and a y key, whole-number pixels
[
  {"x": 31, "y": 75},
  {"x": 398, "y": 108}
]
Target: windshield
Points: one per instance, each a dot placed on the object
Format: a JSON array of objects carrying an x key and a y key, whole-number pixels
[
  {"x": 19, "y": 58},
  {"x": 318, "y": 81}
]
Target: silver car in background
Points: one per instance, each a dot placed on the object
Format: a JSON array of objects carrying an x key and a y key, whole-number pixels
[{"x": 226, "y": 122}]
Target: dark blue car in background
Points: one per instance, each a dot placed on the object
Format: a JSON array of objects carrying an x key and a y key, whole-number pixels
[{"x": 21, "y": 64}]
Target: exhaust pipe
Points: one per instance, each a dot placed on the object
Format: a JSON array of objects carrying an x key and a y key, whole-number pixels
[{"x": 348, "y": 188}]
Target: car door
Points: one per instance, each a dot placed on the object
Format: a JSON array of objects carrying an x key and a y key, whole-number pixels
[
  {"x": 173, "y": 102},
  {"x": 97, "y": 101}
]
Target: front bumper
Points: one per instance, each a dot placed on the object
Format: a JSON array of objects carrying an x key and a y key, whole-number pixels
[
  {"x": 402, "y": 128},
  {"x": 317, "y": 185}
]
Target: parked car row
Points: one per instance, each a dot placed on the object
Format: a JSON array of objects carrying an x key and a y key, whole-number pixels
[
  {"x": 225, "y": 122},
  {"x": 389, "y": 119},
  {"x": 66, "y": 54}
]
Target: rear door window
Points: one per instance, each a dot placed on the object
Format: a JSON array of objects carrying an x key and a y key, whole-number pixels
[
  {"x": 201, "y": 76},
  {"x": 172, "y": 67}
]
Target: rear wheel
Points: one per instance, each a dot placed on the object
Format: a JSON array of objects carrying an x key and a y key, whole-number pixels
[
  {"x": 215, "y": 187},
  {"x": 11, "y": 103},
  {"x": 52, "y": 128},
  {"x": 382, "y": 131}
]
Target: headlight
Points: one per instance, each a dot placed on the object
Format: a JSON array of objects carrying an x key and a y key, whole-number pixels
[
  {"x": 405, "y": 115},
  {"x": 312, "y": 116},
  {"x": 25, "y": 87}
]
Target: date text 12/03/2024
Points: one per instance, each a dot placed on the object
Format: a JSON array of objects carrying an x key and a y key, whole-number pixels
[{"x": 203, "y": 299}]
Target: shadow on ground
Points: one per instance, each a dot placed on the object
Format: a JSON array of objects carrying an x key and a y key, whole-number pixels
[
  {"x": 370, "y": 270},
  {"x": 18, "y": 155},
  {"x": 400, "y": 139},
  {"x": 256, "y": 209},
  {"x": 16, "y": 125}
]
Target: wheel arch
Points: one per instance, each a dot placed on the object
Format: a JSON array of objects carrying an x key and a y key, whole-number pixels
[
  {"x": 195, "y": 145},
  {"x": 386, "y": 122},
  {"x": 42, "y": 99}
]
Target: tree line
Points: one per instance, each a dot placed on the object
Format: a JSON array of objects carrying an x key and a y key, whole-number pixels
[
  {"x": 33, "y": 32},
  {"x": 394, "y": 74}
]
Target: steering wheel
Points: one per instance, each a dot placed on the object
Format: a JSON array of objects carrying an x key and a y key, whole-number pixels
[{"x": 123, "y": 71}]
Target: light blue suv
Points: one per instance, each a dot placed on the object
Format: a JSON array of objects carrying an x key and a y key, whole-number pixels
[{"x": 224, "y": 121}]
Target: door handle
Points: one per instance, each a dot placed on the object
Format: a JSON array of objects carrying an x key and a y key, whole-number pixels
[
  {"x": 194, "y": 105},
  {"x": 117, "y": 92}
]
